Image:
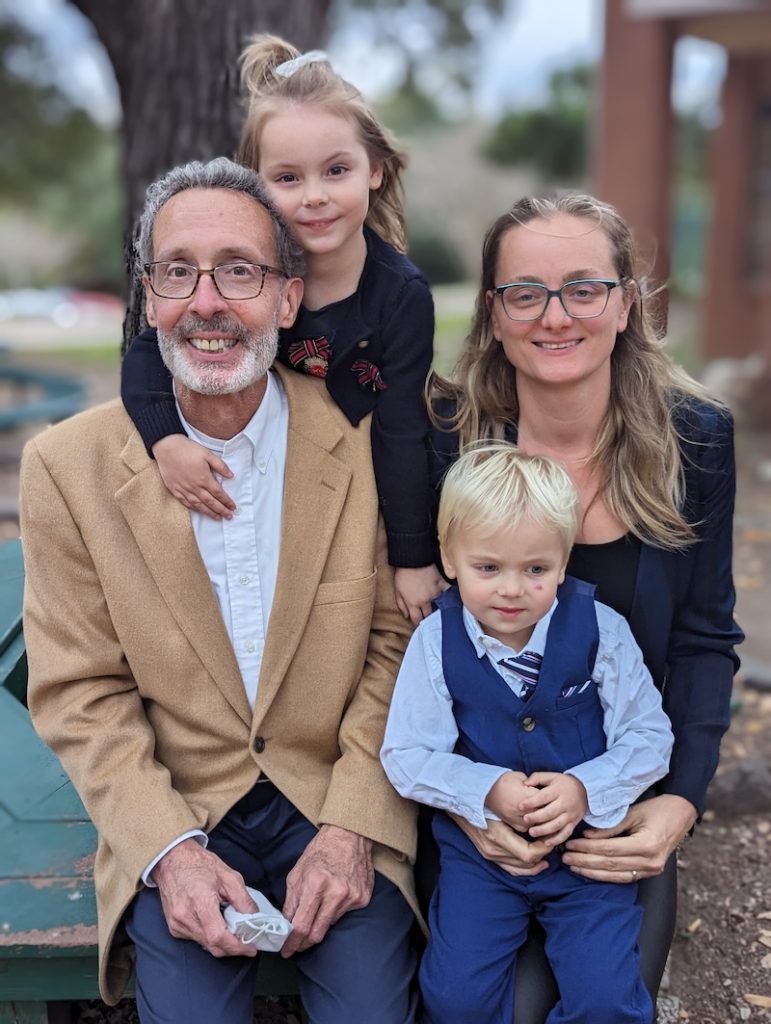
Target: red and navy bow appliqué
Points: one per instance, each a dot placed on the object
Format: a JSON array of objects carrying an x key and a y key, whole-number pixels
[
  {"x": 368, "y": 375},
  {"x": 311, "y": 355}
]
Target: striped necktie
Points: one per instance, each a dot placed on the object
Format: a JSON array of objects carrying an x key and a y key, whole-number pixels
[{"x": 526, "y": 667}]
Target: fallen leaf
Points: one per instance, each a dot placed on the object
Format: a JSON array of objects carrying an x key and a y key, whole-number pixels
[
  {"x": 695, "y": 925},
  {"x": 764, "y": 1002},
  {"x": 766, "y": 961},
  {"x": 765, "y": 939},
  {"x": 765, "y": 915}
]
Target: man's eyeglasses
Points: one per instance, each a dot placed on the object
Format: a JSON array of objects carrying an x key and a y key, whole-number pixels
[
  {"x": 526, "y": 300},
  {"x": 170, "y": 279}
]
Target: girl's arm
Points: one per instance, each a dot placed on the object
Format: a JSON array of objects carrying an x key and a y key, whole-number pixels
[
  {"x": 399, "y": 432},
  {"x": 186, "y": 467}
]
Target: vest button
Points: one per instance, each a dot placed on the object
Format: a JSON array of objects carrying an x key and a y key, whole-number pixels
[
  {"x": 259, "y": 744},
  {"x": 528, "y": 724}
]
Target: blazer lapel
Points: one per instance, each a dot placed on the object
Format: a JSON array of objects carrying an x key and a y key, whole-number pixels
[
  {"x": 164, "y": 535},
  {"x": 315, "y": 488}
]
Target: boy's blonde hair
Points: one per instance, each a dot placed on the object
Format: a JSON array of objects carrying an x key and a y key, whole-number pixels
[
  {"x": 493, "y": 485},
  {"x": 317, "y": 82}
]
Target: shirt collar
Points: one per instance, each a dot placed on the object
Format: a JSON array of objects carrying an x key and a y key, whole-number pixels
[
  {"x": 259, "y": 432},
  {"x": 495, "y": 649}
]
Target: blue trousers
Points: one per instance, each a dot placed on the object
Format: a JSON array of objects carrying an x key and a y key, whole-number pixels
[
  {"x": 480, "y": 917},
  {"x": 361, "y": 971}
]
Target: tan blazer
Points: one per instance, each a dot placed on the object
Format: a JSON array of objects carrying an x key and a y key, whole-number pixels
[{"x": 132, "y": 678}]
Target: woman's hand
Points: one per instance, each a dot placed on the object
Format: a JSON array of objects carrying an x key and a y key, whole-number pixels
[
  {"x": 638, "y": 847},
  {"x": 503, "y": 846}
]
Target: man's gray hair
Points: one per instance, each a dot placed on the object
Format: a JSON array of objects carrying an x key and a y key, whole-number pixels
[{"x": 217, "y": 173}]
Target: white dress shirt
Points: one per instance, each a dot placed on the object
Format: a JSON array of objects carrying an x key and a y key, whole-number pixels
[
  {"x": 421, "y": 732},
  {"x": 241, "y": 554}
]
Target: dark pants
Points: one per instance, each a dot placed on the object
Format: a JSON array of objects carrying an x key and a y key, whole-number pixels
[
  {"x": 536, "y": 990},
  {"x": 361, "y": 971}
]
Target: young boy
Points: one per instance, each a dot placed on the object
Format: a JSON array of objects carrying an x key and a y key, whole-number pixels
[{"x": 522, "y": 698}]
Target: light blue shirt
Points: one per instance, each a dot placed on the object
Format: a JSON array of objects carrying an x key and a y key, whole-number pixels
[
  {"x": 241, "y": 554},
  {"x": 421, "y": 732}
]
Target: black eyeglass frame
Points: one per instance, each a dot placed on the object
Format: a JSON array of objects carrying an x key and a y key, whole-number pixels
[
  {"x": 264, "y": 269},
  {"x": 551, "y": 293}
]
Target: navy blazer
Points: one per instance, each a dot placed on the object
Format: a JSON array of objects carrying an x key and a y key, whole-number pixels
[{"x": 682, "y": 610}]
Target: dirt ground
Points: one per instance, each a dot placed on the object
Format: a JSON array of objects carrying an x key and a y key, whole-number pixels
[{"x": 720, "y": 966}]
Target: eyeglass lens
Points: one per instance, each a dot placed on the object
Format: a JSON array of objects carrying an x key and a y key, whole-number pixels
[
  {"x": 233, "y": 280},
  {"x": 580, "y": 299}
]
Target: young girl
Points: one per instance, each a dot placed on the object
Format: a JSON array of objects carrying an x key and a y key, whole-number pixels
[{"x": 366, "y": 323}]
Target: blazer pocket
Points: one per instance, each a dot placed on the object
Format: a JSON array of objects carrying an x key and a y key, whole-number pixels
[{"x": 346, "y": 591}]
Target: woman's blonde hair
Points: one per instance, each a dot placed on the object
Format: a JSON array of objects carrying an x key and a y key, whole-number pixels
[
  {"x": 316, "y": 82},
  {"x": 637, "y": 448},
  {"x": 495, "y": 486}
]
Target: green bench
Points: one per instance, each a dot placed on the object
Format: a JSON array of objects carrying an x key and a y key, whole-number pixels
[
  {"x": 47, "y": 846},
  {"x": 44, "y": 396}
]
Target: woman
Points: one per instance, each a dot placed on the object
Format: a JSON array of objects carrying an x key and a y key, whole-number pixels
[{"x": 562, "y": 359}]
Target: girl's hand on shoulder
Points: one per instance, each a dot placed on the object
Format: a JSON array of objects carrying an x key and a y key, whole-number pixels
[
  {"x": 416, "y": 589},
  {"x": 187, "y": 469}
]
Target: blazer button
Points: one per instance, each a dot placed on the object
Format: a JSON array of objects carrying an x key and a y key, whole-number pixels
[
  {"x": 259, "y": 744},
  {"x": 528, "y": 724},
  {"x": 364, "y": 343}
]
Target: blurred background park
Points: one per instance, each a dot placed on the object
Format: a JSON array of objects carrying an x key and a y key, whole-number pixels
[{"x": 660, "y": 106}]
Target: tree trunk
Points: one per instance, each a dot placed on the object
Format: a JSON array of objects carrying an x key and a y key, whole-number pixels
[{"x": 176, "y": 64}]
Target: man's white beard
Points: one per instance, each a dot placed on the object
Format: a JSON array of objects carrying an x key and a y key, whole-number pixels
[{"x": 254, "y": 355}]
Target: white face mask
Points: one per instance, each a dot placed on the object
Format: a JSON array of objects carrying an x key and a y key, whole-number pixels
[{"x": 266, "y": 929}]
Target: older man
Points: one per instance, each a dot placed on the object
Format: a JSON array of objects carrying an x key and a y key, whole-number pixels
[{"x": 217, "y": 690}]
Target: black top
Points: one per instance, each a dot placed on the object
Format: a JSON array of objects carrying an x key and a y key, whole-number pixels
[
  {"x": 611, "y": 567},
  {"x": 373, "y": 350},
  {"x": 681, "y": 613}
]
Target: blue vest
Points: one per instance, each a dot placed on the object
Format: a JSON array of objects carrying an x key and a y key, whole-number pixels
[{"x": 549, "y": 732}]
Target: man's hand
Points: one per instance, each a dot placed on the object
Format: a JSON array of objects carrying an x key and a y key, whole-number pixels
[
  {"x": 501, "y": 844},
  {"x": 187, "y": 469},
  {"x": 557, "y": 806},
  {"x": 416, "y": 589},
  {"x": 333, "y": 875},
  {"x": 506, "y": 798},
  {"x": 193, "y": 883}
]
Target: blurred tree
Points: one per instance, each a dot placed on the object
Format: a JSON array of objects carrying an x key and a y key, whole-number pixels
[
  {"x": 554, "y": 138},
  {"x": 437, "y": 41},
  {"x": 51, "y": 152},
  {"x": 176, "y": 65}
]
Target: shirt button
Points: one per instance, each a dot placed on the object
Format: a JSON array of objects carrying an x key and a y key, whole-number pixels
[
  {"x": 528, "y": 724},
  {"x": 261, "y": 465},
  {"x": 250, "y": 647},
  {"x": 243, "y": 580},
  {"x": 236, "y": 511},
  {"x": 259, "y": 744}
]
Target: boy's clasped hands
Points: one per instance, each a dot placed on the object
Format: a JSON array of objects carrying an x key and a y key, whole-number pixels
[{"x": 545, "y": 805}]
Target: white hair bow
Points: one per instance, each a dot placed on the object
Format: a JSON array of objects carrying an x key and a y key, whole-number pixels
[{"x": 289, "y": 67}]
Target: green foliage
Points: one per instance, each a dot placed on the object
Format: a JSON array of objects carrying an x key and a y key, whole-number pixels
[
  {"x": 437, "y": 40},
  {"x": 57, "y": 161},
  {"x": 435, "y": 255},
  {"x": 410, "y": 111},
  {"x": 553, "y": 138}
]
